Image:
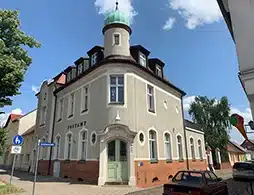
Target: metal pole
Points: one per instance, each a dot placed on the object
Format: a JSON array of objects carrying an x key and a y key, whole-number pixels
[
  {"x": 13, "y": 166},
  {"x": 36, "y": 165}
]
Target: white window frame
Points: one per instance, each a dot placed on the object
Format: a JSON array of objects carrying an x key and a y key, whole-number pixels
[
  {"x": 142, "y": 58},
  {"x": 166, "y": 143},
  {"x": 71, "y": 115},
  {"x": 192, "y": 148},
  {"x": 91, "y": 138},
  {"x": 69, "y": 76},
  {"x": 156, "y": 146},
  {"x": 141, "y": 143},
  {"x": 84, "y": 95},
  {"x": 116, "y": 86},
  {"x": 80, "y": 68},
  {"x": 178, "y": 152},
  {"x": 43, "y": 150},
  {"x": 148, "y": 94},
  {"x": 158, "y": 71},
  {"x": 200, "y": 151},
  {"x": 60, "y": 109},
  {"x": 81, "y": 142},
  {"x": 67, "y": 142},
  {"x": 85, "y": 65},
  {"x": 114, "y": 39},
  {"x": 94, "y": 59},
  {"x": 58, "y": 146}
]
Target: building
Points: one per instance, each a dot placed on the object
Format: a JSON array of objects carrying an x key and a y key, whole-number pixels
[
  {"x": 249, "y": 145},
  {"x": 239, "y": 16},
  {"x": 20, "y": 125},
  {"x": 115, "y": 118},
  {"x": 235, "y": 153}
]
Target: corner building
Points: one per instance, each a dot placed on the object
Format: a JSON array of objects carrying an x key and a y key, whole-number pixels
[{"x": 115, "y": 118}]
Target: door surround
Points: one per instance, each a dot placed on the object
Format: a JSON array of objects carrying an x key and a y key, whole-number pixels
[{"x": 116, "y": 132}]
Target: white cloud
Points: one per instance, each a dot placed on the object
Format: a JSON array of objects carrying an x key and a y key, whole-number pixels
[
  {"x": 197, "y": 12},
  {"x": 35, "y": 89},
  {"x": 4, "y": 117},
  {"x": 104, "y": 6},
  {"x": 169, "y": 23},
  {"x": 187, "y": 102}
]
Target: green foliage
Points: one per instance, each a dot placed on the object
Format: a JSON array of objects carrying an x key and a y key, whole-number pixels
[
  {"x": 3, "y": 138},
  {"x": 14, "y": 59},
  {"x": 214, "y": 118}
]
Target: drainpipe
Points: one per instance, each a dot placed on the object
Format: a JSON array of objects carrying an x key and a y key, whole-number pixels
[
  {"x": 52, "y": 133},
  {"x": 185, "y": 139}
]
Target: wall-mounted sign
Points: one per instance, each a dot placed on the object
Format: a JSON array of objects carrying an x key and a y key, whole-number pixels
[{"x": 76, "y": 125}]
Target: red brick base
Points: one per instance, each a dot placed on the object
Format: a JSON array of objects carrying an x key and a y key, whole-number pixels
[
  {"x": 225, "y": 165},
  {"x": 87, "y": 171},
  {"x": 149, "y": 171}
]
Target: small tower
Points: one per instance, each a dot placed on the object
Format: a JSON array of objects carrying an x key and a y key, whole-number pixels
[{"x": 117, "y": 33}]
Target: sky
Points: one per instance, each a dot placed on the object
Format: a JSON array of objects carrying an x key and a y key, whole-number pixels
[{"x": 190, "y": 36}]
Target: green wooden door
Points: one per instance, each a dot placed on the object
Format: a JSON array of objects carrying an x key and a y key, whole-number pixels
[{"x": 117, "y": 161}]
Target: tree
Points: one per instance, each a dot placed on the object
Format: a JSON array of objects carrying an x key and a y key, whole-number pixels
[
  {"x": 3, "y": 138},
  {"x": 214, "y": 118},
  {"x": 14, "y": 59}
]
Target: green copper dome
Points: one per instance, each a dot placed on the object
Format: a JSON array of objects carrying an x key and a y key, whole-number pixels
[{"x": 117, "y": 17}]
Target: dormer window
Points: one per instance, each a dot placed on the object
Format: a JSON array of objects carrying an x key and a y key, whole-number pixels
[
  {"x": 68, "y": 76},
  {"x": 116, "y": 40},
  {"x": 80, "y": 69},
  {"x": 86, "y": 64},
  {"x": 93, "y": 59},
  {"x": 142, "y": 59},
  {"x": 158, "y": 71}
]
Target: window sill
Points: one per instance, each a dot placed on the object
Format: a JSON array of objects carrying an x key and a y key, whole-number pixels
[
  {"x": 82, "y": 161},
  {"x": 41, "y": 125},
  {"x": 154, "y": 161},
  {"x": 84, "y": 111},
  {"x": 70, "y": 116},
  {"x": 169, "y": 161},
  {"x": 116, "y": 103},
  {"x": 193, "y": 160},
  {"x": 180, "y": 160},
  {"x": 67, "y": 161},
  {"x": 152, "y": 111},
  {"x": 59, "y": 120},
  {"x": 56, "y": 159},
  {"x": 201, "y": 159}
]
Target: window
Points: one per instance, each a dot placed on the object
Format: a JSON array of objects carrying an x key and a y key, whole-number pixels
[
  {"x": 68, "y": 76},
  {"x": 43, "y": 115},
  {"x": 93, "y": 138},
  {"x": 117, "y": 89},
  {"x": 69, "y": 145},
  {"x": 200, "y": 149},
  {"x": 43, "y": 150},
  {"x": 167, "y": 142},
  {"x": 158, "y": 71},
  {"x": 150, "y": 96},
  {"x": 94, "y": 59},
  {"x": 142, "y": 59},
  {"x": 84, "y": 103},
  {"x": 141, "y": 137},
  {"x": 80, "y": 69},
  {"x": 192, "y": 148},
  {"x": 152, "y": 145},
  {"x": 27, "y": 158},
  {"x": 86, "y": 64},
  {"x": 60, "y": 110},
  {"x": 83, "y": 137},
  {"x": 57, "y": 148},
  {"x": 180, "y": 147},
  {"x": 71, "y": 105},
  {"x": 117, "y": 39}
]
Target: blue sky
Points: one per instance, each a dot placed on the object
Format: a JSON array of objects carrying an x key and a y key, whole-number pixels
[{"x": 189, "y": 36}]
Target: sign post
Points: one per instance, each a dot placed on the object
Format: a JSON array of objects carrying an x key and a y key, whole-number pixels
[
  {"x": 17, "y": 141},
  {"x": 36, "y": 165}
]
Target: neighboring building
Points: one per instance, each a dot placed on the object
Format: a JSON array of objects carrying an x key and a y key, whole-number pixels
[
  {"x": 19, "y": 125},
  {"x": 249, "y": 145},
  {"x": 115, "y": 118},
  {"x": 239, "y": 16},
  {"x": 236, "y": 153}
]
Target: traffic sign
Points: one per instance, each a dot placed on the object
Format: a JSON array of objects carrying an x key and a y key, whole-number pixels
[
  {"x": 16, "y": 149},
  {"x": 17, "y": 140},
  {"x": 47, "y": 144}
]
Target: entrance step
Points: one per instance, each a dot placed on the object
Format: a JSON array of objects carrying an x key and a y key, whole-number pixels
[{"x": 117, "y": 183}]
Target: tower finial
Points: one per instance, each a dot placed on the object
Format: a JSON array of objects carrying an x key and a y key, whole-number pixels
[{"x": 116, "y": 5}]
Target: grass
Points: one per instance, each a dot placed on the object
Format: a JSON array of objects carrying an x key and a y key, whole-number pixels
[{"x": 9, "y": 189}]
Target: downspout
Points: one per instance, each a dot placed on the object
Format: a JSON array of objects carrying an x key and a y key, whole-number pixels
[
  {"x": 52, "y": 134},
  {"x": 185, "y": 139}
]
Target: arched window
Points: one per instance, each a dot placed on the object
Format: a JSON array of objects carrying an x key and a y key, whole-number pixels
[
  {"x": 43, "y": 150},
  {"x": 153, "y": 145},
  {"x": 168, "y": 145},
  {"x": 83, "y": 145},
  {"x": 57, "y": 147},
  {"x": 192, "y": 148},
  {"x": 68, "y": 142},
  {"x": 180, "y": 147},
  {"x": 200, "y": 149}
]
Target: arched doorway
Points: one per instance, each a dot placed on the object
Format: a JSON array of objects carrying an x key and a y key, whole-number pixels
[{"x": 117, "y": 161}]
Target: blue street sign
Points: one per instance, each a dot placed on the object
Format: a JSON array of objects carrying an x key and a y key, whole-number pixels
[
  {"x": 47, "y": 144},
  {"x": 17, "y": 140}
]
